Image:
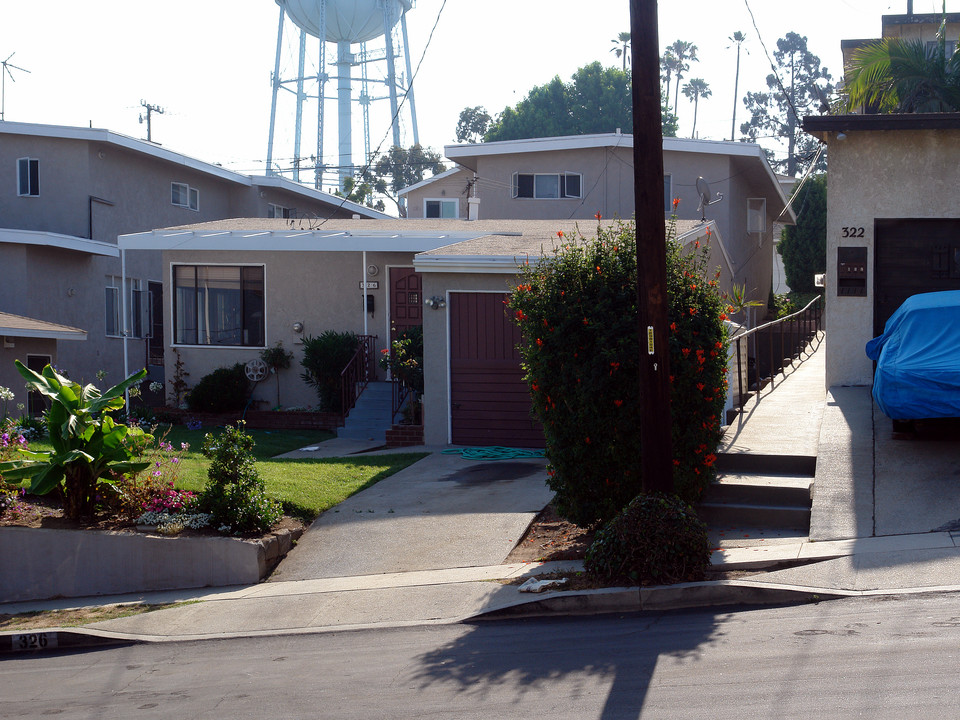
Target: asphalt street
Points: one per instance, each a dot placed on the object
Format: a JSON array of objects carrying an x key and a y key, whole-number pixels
[{"x": 889, "y": 657}]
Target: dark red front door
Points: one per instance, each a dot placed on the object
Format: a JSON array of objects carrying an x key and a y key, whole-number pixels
[{"x": 406, "y": 300}]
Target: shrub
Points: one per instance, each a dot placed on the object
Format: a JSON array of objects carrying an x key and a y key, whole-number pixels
[
  {"x": 224, "y": 390},
  {"x": 804, "y": 246},
  {"x": 577, "y": 311},
  {"x": 404, "y": 358},
  {"x": 91, "y": 451},
  {"x": 235, "y": 496},
  {"x": 655, "y": 540},
  {"x": 324, "y": 358}
]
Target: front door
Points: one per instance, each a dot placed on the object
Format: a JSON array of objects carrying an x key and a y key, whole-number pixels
[{"x": 406, "y": 300}]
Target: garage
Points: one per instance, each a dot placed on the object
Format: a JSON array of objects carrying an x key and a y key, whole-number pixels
[
  {"x": 913, "y": 255},
  {"x": 489, "y": 400}
]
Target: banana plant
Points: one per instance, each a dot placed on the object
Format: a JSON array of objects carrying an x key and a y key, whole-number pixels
[{"x": 89, "y": 446}]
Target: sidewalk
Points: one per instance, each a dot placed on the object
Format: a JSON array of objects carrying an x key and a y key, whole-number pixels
[{"x": 885, "y": 520}]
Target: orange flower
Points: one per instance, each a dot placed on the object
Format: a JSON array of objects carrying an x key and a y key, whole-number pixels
[
  {"x": 534, "y": 386},
  {"x": 673, "y": 327},
  {"x": 685, "y": 351},
  {"x": 598, "y": 216},
  {"x": 676, "y": 201},
  {"x": 559, "y": 233},
  {"x": 539, "y": 342},
  {"x": 723, "y": 316}
]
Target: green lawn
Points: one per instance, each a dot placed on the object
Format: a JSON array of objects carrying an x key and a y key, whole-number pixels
[{"x": 305, "y": 487}]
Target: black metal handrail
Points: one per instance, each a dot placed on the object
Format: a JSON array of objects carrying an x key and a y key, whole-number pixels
[
  {"x": 356, "y": 375},
  {"x": 804, "y": 326}
]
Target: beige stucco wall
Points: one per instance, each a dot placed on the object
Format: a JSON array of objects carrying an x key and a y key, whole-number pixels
[
  {"x": 878, "y": 175},
  {"x": 452, "y": 187},
  {"x": 319, "y": 289}
]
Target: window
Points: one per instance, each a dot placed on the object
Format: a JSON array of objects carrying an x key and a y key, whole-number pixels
[
  {"x": 547, "y": 185},
  {"x": 668, "y": 193},
  {"x": 218, "y": 305},
  {"x": 756, "y": 215},
  {"x": 441, "y": 208},
  {"x": 278, "y": 211},
  {"x": 113, "y": 308},
  {"x": 183, "y": 195},
  {"x": 28, "y": 177}
]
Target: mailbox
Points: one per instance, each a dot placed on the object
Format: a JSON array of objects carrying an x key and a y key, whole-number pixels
[{"x": 851, "y": 271}]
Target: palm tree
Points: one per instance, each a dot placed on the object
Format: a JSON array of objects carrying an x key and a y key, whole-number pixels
[
  {"x": 894, "y": 75},
  {"x": 668, "y": 63},
  {"x": 737, "y": 38},
  {"x": 621, "y": 46},
  {"x": 695, "y": 89},
  {"x": 682, "y": 51}
]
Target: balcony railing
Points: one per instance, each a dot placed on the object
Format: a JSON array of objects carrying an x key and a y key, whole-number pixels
[
  {"x": 775, "y": 345},
  {"x": 356, "y": 375}
]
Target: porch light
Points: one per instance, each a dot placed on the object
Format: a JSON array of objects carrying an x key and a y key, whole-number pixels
[{"x": 435, "y": 303}]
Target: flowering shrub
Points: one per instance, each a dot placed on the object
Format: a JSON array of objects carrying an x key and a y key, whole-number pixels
[
  {"x": 235, "y": 496},
  {"x": 404, "y": 358},
  {"x": 578, "y": 314}
]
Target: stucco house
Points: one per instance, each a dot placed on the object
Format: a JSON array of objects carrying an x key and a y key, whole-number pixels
[
  {"x": 235, "y": 287},
  {"x": 893, "y": 228},
  {"x": 68, "y": 193},
  {"x": 575, "y": 177}
]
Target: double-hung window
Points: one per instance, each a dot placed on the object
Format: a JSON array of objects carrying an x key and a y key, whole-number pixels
[
  {"x": 277, "y": 211},
  {"x": 441, "y": 208},
  {"x": 28, "y": 177},
  {"x": 547, "y": 185},
  {"x": 218, "y": 305},
  {"x": 182, "y": 195},
  {"x": 113, "y": 307}
]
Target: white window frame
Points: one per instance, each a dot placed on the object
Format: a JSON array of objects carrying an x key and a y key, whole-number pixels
[
  {"x": 443, "y": 201},
  {"x": 30, "y": 179},
  {"x": 111, "y": 311},
  {"x": 277, "y": 211},
  {"x": 174, "y": 309},
  {"x": 757, "y": 216},
  {"x": 562, "y": 194},
  {"x": 182, "y": 195}
]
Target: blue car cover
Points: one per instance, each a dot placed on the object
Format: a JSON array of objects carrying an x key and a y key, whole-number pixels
[{"x": 918, "y": 358}]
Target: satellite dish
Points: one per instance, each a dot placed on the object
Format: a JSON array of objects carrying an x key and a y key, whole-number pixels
[
  {"x": 255, "y": 370},
  {"x": 703, "y": 190}
]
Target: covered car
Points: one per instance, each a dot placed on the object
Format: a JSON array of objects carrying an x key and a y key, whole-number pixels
[{"x": 918, "y": 358}]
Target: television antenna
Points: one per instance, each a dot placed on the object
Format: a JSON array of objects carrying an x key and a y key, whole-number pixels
[{"x": 3, "y": 85}]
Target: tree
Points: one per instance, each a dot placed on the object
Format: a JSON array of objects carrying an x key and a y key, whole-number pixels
[
  {"x": 577, "y": 312},
  {"x": 596, "y": 100},
  {"x": 897, "y": 75},
  {"x": 695, "y": 89},
  {"x": 777, "y": 113},
  {"x": 621, "y": 47},
  {"x": 737, "y": 38},
  {"x": 668, "y": 121},
  {"x": 804, "y": 246},
  {"x": 363, "y": 190},
  {"x": 473, "y": 124},
  {"x": 668, "y": 63},
  {"x": 399, "y": 168},
  {"x": 682, "y": 51}
]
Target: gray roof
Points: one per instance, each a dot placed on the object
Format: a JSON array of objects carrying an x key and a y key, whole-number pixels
[{"x": 19, "y": 326}]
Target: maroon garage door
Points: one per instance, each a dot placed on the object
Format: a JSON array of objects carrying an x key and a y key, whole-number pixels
[{"x": 490, "y": 402}]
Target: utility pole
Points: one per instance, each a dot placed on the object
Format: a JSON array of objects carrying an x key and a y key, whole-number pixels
[
  {"x": 150, "y": 110},
  {"x": 656, "y": 462}
]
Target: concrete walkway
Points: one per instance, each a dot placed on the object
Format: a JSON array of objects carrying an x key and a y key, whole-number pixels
[{"x": 885, "y": 519}]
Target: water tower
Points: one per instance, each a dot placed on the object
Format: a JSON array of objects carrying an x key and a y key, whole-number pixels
[{"x": 383, "y": 61}]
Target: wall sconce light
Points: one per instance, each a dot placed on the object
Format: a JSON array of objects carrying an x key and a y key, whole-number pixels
[
  {"x": 298, "y": 327},
  {"x": 435, "y": 303},
  {"x": 841, "y": 136}
]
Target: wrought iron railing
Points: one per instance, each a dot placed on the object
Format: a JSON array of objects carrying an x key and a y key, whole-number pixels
[
  {"x": 356, "y": 375},
  {"x": 790, "y": 334}
]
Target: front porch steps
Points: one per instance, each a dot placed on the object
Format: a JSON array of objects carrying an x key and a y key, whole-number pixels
[{"x": 370, "y": 418}]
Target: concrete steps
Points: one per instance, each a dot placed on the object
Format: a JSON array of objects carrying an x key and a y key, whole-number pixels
[
  {"x": 769, "y": 493},
  {"x": 370, "y": 418}
]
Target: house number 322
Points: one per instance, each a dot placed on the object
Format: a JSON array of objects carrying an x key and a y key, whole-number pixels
[{"x": 851, "y": 232}]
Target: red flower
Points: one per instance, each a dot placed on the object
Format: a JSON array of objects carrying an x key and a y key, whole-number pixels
[
  {"x": 618, "y": 403},
  {"x": 534, "y": 387},
  {"x": 559, "y": 233},
  {"x": 700, "y": 387},
  {"x": 539, "y": 342},
  {"x": 709, "y": 459},
  {"x": 673, "y": 327},
  {"x": 586, "y": 439},
  {"x": 723, "y": 316},
  {"x": 685, "y": 351},
  {"x": 676, "y": 201},
  {"x": 598, "y": 216}
]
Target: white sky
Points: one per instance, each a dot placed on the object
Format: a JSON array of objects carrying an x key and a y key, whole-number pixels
[{"x": 208, "y": 62}]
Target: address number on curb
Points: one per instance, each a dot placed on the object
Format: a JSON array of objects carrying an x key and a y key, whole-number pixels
[{"x": 34, "y": 641}]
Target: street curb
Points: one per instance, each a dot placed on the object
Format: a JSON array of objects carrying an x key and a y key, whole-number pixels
[
  {"x": 666, "y": 597},
  {"x": 39, "y": 640}
]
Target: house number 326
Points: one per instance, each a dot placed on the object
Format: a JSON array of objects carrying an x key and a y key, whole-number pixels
[{"x": 851, "y": 232}]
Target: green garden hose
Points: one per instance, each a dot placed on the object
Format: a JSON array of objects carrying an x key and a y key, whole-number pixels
[{"x": 493, "y": 453}]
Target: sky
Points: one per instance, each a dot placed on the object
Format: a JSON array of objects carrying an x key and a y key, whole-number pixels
[{"x": 207, "y": 63}]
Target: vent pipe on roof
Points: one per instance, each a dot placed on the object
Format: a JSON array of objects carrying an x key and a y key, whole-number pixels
[
  {"x": 909, "y": 7},
  {"x": 473, "y": 208}
]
